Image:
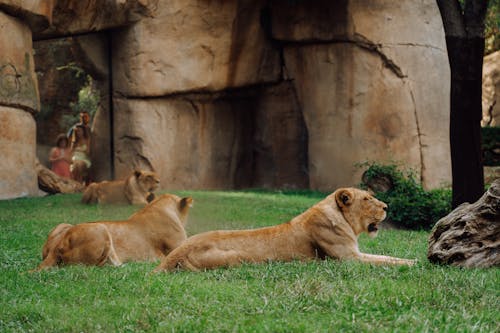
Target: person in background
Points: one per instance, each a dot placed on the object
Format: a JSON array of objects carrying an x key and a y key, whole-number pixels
[
  {"x": 60, "y": 157},
  {"x": 81, "y": 154},
  {"x": 84, "y": 121}
]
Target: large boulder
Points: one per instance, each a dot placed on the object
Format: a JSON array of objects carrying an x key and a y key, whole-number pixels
[
  {"x": 194, "y": 46},
  {"x": 36, "y": 13},
  {"x": 491, "y": 90},
  {"x": 373, "y": 82},
  {"x": 194, "y": 142},
  {"x": 18, "y": 84},
  {"x": 18, "y": 101},
  {"x": 17, "y": 148},
  {"x": 470, "y": 235},
  {"x": 225, "y": 140}
]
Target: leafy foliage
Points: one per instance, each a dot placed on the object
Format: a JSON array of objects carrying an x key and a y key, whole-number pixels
[
  {"x": 88, "y": 100},
  {"x": 492, "y": 27},
  {"x": 410, "y": 206},
  {"x": 490, "y": 143}
]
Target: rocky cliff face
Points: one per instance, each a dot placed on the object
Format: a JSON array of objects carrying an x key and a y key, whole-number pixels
[
  {"x": 18, "y": 101},
  {"x": 371, "y": 80},
  {"x": 271, "y": 93}
]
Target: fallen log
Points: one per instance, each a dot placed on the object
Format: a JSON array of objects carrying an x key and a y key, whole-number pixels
[
  {"x": 470, "y": 235},
  {"x": 49, "y": 182}
]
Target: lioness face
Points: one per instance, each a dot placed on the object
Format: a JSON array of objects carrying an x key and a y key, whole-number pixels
[
  {"x": 361, "y": 209},
  {"x": 148, "y": 180}
]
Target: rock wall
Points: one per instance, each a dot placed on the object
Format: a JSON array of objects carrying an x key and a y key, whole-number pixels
[
  {"x": 194, "y": 46},
  {"x": 373, "y": 82},
  {"x": 18, "y": 101},
  {"x": 211, "y": 141},
  {"x": 359, "y": 72},
  {"x": 267, "y": 93}
]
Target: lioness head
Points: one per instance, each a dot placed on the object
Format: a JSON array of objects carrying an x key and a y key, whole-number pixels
[
  {"x": 147, "y": 180},
  {"x": 172, "y": 203},
  {"x": 361, "y": 210}
]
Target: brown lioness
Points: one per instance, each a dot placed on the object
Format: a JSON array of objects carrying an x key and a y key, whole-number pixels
[
  {"x": 147, "y": 235},
  {"x": 328, "y": 229},
  {"x": 137, "y": 189}
]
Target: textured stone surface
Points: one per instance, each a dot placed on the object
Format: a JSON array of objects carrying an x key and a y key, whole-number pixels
[
  {"x": 280, "y": 140},
  {"x": 36, "y": 13},
  {"x": 349, "y": 122},
  {"x": 491, "y": 90},
  {"x": 17, "y": 148},
  {"x": 224, "y": 94},
  {"x": 18, "y": 84},
  {"x": 194, "y": 46},
  {"x": 214, "y": 141},
  {"x": 190, "y": 143},
  {"x": 375, "y": 90},
  {"x": 470, "y": 235}
]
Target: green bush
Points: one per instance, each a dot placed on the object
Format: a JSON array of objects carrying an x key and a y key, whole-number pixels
[
  {"x": 410, "y": 206},
  {"x": 490, "y": 143}
]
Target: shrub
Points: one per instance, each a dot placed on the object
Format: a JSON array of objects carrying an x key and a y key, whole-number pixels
[
  {"x": 490, "y": 145},
  {"x": 410, "y": 206}
]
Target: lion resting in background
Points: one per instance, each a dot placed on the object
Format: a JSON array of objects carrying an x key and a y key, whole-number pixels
[
  {"x": 147, "y": 235},
  {"x": 137, "y": 189},
  {"x": 328, "y": 229}
]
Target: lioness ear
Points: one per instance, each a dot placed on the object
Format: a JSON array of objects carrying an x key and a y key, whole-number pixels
[
  {"x": 344, "y": 197},
  {"x": 186, "y": 202}
]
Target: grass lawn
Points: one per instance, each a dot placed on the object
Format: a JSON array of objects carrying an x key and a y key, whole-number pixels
[{"x": 323, "y": 296}]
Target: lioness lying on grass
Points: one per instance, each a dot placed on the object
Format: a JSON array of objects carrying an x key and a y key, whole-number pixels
[
  {"x": 137, "y": 189},
  {"x": 328, "y": 229},
  {"x": 147, "y": 235}
]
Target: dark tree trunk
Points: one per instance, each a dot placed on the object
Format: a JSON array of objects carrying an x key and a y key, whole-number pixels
[
  {"x": 466, "y": 61},
  {"x": 465, "y": 43}
]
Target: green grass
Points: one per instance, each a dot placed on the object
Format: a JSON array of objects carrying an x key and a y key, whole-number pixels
[{"x": 327, "y": 296}]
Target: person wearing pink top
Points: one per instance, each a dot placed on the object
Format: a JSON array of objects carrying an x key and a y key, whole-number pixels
[{"x": 60, "y": 157}]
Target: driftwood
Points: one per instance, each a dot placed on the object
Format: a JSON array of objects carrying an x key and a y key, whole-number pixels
[
  {"x": 49, "y": 182},
  {"x": 470, "y": 235}
]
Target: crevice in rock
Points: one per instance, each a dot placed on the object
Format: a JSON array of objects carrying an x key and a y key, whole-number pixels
[
  {"x": 367, "y": 44},
  {"x": 131, "y": 137},
  {"x": 205, "y": 93},
  {"x": 358, "y": 40},
  {"x": 146, "y": 161},
  {"x": 416, "y": 45},
  {"x": 19, "y": 106},
  {"x": 136, "y": 143},
  {"x": 111, "y": 107},
  {"x": 419, "y": 134}
]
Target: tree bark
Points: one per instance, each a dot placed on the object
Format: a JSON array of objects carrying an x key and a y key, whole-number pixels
[
  {"x": 51, "y": 183},
  {"x": 470, "y": 235},
  {"x": 465, "y": 44}
]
